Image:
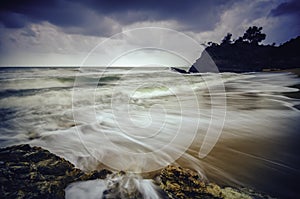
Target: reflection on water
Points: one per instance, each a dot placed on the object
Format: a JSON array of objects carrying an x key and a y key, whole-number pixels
[{"x": 140, "y": 111}]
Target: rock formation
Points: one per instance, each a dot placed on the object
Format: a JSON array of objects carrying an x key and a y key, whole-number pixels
[
  {"x": 182, "y": 183},
  {"x": 33, "y": 172}
]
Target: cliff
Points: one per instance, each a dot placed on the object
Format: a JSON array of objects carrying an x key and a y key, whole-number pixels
[{"x": 249, "y": 57}]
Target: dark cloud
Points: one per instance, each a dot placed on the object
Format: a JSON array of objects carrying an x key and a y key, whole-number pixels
[
  {"x": 13, "y": 20},
  {"x": 198, "y": 14},
  {"x": 76, "y": 16},
  {"x": 57, "y": 12},
  {"x": 287, "y": 8},
  {"x": 290, "y": 13},
  {"x": 106, "y": 17},
  {"x": 72, "y": 17}
]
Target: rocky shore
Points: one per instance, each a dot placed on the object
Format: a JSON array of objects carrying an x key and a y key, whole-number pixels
[
  {"x": 183, "y": 183},
  {"x": 33, "y": 172}
]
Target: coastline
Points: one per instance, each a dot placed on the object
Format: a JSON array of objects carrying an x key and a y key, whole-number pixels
[
  {"x": 295, "y": 95},
  {"x": 291, "y": 70}
]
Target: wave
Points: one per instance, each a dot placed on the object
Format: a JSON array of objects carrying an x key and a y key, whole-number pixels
[{"x": 128, "y": 120}]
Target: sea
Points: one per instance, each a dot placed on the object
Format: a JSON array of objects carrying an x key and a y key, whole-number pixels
[{"x": 234, "y": 129}]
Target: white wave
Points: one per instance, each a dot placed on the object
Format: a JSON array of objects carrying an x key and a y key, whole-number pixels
[
  {"x": 127, "y": 123},
  {"x": 116, "y": 186}
]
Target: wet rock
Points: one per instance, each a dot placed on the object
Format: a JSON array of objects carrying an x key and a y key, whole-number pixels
[
  {"x": 33, "y": 172},
  {"x": 96, "y": 175},
  {"x": 179, "y": 70},
  {"x": 181, "y": 183}
]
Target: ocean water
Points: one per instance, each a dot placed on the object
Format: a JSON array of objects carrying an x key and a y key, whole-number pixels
[{"x": 235, "y": 129}]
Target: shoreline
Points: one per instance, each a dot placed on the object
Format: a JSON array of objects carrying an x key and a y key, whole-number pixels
[{"x": 294, "y": 95}]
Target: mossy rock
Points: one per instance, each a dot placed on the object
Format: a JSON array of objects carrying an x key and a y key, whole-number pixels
[
  {"x": 183, "y": 183},
  {"x": 33, "y": 172}
]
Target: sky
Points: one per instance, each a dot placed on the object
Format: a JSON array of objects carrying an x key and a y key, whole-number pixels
[{"x": 126, "y": 33}]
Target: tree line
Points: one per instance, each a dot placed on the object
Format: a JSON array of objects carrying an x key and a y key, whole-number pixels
[
  {"x": 253, "y": 36},
  {"x": 247, "y": 54}
]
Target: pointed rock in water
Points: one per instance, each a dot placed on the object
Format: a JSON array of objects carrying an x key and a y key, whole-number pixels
[
  {"x": 179, "y": 70},
  {"x": 33, "y": 172},
  {"x": 181, "y": 183}
]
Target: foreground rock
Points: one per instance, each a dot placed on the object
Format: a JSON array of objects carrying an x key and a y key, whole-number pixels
[
  {"x": 181, "y": 183},
  {"x": 33, "y": 172}
]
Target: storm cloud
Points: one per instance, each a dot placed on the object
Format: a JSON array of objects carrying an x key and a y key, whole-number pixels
[
  {"x": 35, "y": 31},
  {"x": 287, "y": 8},
  {"x": 72, "y": 17},
  {"x": 93, "y": 17}
]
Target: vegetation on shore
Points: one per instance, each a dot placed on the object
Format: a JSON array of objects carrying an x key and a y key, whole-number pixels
[{"x": 247, "y": 54}]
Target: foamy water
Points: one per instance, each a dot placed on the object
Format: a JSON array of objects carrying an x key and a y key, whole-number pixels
[{"x": 140, "y": 120}]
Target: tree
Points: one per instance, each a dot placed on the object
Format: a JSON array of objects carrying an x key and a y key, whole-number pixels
[
  {"x": 239, "y": 40},
  {"x": 227, "y": 39},
  {"x": 213, "y": 44},
  {"x": 254, "y": 35}
]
